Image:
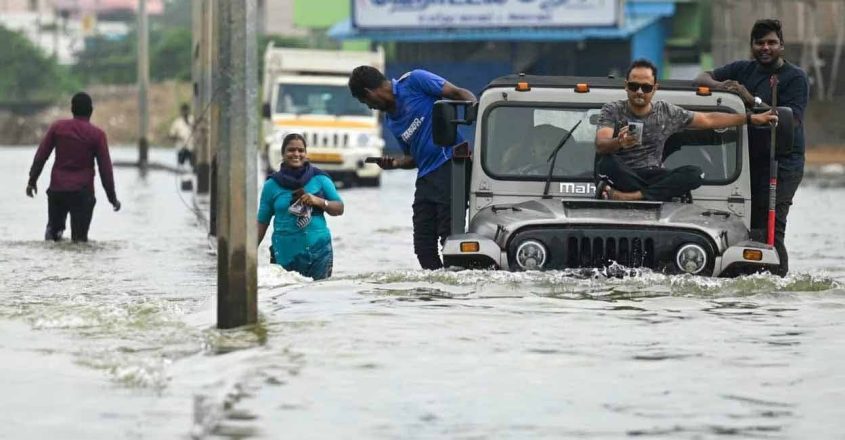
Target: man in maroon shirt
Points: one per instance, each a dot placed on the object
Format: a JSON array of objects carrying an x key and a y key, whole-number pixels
[{"x": 78, "y": 143}]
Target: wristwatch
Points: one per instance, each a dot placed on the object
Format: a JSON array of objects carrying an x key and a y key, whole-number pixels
[
  {"x": 325, "y": 203},
  {"x": 748, "y": 118}
]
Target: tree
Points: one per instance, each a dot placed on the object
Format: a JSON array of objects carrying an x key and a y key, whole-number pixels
[
  {"x": 27, "y": 74},
  {"x": 107, "y": 61},
  {"x": 171, "y": 55}
]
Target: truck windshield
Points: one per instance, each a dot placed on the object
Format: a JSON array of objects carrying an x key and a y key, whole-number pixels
[
  {"x": 518, "y": 140},
  {"x": 318, "y": 99}
]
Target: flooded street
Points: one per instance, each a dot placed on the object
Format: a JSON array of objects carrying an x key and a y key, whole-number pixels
[{"x": 115, "y": 338}]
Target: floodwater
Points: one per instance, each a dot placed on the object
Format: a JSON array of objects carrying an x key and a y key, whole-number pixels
[{"x": 115, "y": 338}]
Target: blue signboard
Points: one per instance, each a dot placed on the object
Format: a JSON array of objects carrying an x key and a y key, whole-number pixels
[{"x": 381, "y": 14}]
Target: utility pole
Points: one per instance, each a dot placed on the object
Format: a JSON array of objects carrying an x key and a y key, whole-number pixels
[
  {"x": 143, "y": 84},
  {"x": 201, "y": 72},
  {"x": 237, "y": 139}
]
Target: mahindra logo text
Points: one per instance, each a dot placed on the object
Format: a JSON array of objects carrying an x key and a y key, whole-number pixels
[{"x": 577, "y": 188}]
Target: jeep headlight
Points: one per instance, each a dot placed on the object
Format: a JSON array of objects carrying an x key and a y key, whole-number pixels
[
  {"x": 531, "y": 255},
  {"x": 691, "y": 258}
]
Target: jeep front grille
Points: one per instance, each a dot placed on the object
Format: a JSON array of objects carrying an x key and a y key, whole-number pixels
[
  {"x": 602, "y": 251},
  {"x": 578, "y": 246}
]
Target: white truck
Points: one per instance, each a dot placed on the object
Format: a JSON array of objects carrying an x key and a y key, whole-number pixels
[{"x": 305, "y": 91}]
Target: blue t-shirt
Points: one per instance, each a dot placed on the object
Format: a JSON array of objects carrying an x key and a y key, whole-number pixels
[
  {"x": 411, "y": 124},
  {"x": 288, "y": 238},
  {"x": 793, "y": 92}
]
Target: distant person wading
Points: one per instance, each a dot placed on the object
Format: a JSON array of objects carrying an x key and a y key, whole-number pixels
[
  {"x": 180, "y": 133},
  {"x": 78, "y": 144}
]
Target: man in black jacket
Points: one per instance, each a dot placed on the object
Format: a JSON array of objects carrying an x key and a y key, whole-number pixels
[{"x": 750, "y": 79}]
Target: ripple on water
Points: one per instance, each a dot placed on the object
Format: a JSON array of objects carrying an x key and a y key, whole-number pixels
[{"x": 586, "y": 284}]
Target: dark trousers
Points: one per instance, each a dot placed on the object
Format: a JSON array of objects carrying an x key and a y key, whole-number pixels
[
  {"x": 185, "y": 155},
  {"x": 80, "y": 206},
  {"x": 432, "y": 215},
  {"x": 658, "y": 184},
  {"x": 788, "y": 181}
]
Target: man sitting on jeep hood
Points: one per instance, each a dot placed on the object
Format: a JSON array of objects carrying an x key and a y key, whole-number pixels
[{"x": 630, "y": 164}]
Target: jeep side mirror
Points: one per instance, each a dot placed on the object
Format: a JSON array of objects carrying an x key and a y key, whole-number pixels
[
  {"x": 785, "y": 132},
  {"x": 265, "y": 110},
  {"x": 445, "y": 120}
]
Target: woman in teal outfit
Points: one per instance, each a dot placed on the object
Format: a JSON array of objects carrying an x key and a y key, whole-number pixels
[{"x": 297, "y": 196}]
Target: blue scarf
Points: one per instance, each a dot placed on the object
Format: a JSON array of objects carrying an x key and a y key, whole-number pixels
[{"x": 295, "y": 178}]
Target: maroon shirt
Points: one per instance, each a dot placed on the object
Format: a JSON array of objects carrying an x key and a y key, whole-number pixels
[{"x": 77, "y": 143}]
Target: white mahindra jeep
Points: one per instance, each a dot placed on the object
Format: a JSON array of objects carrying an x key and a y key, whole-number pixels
[{"x": 531, "y": 185}]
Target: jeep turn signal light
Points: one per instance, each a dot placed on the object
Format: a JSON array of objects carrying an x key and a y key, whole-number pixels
[
  {"x": 582, "y": 88},
  {"x": 469, "y": 246},
  {"x": 752, "y": 254},
  {"x": 703, "y": 91},
  {"x": 522, "y": 86}
]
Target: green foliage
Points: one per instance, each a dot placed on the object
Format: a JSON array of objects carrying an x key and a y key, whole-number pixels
[
  {"x": 114, "y": 61},
  {"x": 170, "y": 55},
  {"x": 27, "y": 74},
  {"x": 107, "y": 61},
  {"x": 177, "y": 13}
]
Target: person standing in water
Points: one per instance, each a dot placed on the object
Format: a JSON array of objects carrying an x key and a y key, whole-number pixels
[
  {"x": 750, "y": 79},
  {"x": 407, "y": 104},
  {"x": 298, "y": 196},
  {"x": 78, "y": 144}
]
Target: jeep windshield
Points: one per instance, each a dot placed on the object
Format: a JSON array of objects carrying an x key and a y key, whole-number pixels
[
  {"x": 518, "y": 140},
  {"x": 318, "y": 99}
]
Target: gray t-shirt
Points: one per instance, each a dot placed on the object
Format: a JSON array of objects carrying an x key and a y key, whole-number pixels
[{"x": 663, "y": 121}]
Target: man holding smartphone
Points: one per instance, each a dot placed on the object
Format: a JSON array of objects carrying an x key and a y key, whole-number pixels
[
  {"x": 407, "y": 104},
  {"x": 630, "y": 161}
]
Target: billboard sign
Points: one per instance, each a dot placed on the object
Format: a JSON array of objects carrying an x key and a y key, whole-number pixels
[{"x": 399, "y": 14}]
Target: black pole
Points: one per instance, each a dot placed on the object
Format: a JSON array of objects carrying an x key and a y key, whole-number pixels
[
  {"x": 460, "y": 159},
  {"x": 212, "y": 213}
]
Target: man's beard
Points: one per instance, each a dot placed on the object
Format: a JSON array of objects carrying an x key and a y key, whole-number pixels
[
  {"x": 638, "y": 102},
  {"x": 771, "y": 61}
]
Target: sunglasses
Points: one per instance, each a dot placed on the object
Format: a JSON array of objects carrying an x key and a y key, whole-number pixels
[{"x": 646, "y": 88}]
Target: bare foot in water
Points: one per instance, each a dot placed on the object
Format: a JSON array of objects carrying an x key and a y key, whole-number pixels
[{"x": 611, "y": 193}]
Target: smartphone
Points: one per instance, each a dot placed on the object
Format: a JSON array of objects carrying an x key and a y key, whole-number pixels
[
  {"x": 635, "y": 129},
  {"x": 372, "y": 159}
]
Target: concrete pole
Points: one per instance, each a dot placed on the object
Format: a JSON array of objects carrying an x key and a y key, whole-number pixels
[
  {"x": 201, "y": 72},
  {"x": 143, "y": 84},
  {"x": 214, "y": 108},
  {"x": 838, "y": 11},
  {"x": 237, "y": 164}
]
